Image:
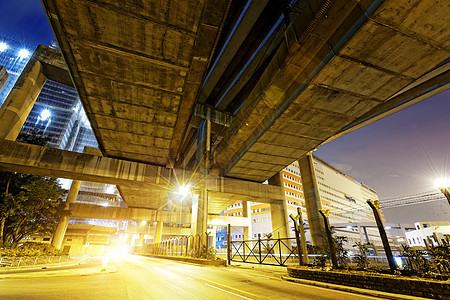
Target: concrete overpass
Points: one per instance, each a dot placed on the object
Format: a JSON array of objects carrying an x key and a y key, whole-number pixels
[
  {"x": 336, "y": 65},
  {"x": 233, "y": 89}
]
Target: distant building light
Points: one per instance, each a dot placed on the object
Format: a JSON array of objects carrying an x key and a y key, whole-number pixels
[
  {"x": 24, "y": 53},
  {"x": 349, "y": 227},
  {"x": 3, "y": 46},
  {"x": 388, "y": 227},
  {"x": 45, "y": 114}
]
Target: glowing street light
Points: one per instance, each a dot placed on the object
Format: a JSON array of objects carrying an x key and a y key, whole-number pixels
[
  {"x": 443, "y": 184},
  {"x": 184, "y": 190},
  {"x": 3, "y": 46}
]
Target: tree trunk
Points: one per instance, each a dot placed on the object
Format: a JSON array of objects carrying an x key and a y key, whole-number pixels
[
  {"x": 3, "y": 220},
  {"x": 2, "y": 229}
]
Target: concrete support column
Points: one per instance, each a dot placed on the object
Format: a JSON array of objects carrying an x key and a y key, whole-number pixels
[
  {"x": 199, "y": 212},
  {"x": 361, "y": 235},
  {"x": 200, "y": 198},
  {"x": 312, "y": 200},
  {"x": 278, "y": 211},
  {"x": 246, "y": 213},
  {"x": 213, "y": 237},
  {"x": 21, "y": 99},
  {"x": 141, "y": 239},
  {"x": 158, "y": 232},
  {"x": 60, "y": 231},
  {"x": 366, "y": 234}
]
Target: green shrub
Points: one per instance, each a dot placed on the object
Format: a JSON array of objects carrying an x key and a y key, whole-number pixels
[{"x": 30, "y": 249}]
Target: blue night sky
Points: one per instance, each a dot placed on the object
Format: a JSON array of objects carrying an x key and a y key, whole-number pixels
[{"x": 397, "y": 156}]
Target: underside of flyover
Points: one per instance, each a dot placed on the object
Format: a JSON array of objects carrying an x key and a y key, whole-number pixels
[
  {"x": 271, "y": 82},
  {"x": 289, "y": 84}
]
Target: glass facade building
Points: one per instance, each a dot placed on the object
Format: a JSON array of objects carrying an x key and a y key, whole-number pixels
[
  {"x": 13, "y": 56},
  {"x": 58, "y": 113}
]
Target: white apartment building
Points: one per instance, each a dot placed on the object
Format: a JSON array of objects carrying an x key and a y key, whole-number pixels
[{"x": 342, "y": 195}]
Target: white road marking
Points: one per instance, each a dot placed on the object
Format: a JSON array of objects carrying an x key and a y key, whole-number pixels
[{"x": 228, "y": 292}]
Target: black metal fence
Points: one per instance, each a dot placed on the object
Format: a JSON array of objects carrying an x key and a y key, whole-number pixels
[
  {"x": 281, "y": 251},
  {"x": 196, "y": 246}
]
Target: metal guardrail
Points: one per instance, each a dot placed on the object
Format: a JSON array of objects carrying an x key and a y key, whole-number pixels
[{"x": 31, "y": 261}]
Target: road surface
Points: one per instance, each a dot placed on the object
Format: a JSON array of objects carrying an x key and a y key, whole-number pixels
[{"x": 151, "y": 278}]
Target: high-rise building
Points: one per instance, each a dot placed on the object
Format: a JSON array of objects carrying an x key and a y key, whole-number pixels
[
  {"x": 13, "y": 56},
  {"x": 58, "y": 113},
  {"x": 339, "y": 193}
]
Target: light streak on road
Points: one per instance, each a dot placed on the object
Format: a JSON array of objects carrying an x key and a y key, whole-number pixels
[{"x": 237, "y": 295}]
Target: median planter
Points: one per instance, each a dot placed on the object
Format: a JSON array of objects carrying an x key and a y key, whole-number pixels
[{"x": 386, "y": 283}]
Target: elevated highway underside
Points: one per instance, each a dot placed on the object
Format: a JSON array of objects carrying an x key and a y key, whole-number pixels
[
  {"x": 141, "y": 68},
  {"x": 151, "y": 73}
]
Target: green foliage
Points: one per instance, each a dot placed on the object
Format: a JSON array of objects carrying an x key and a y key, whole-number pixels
[
  {"x": 29, "y": 204},
  {"x": 415, "y": 260},
  {"x": 341, "y": 253},
  {"x": 441, "y": 257},
  {"x": 361, "y": 258},
  {"x": 30, "y": 249},
  {"x": 324, "y": 254}
]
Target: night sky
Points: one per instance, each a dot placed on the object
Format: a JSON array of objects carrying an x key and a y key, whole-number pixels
[{"x": 397, "y": 156}]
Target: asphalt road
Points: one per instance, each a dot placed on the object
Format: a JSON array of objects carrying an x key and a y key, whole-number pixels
[{"x": 150, "y": 278}]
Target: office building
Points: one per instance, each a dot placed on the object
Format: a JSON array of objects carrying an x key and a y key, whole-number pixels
[
  {"x": 13, "y": 57},
  {"x": 339, "y": 193}
]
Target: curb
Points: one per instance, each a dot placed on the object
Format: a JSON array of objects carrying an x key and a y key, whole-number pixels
[
  {"x": 42, "y": 267},
  {"x": 199, "y": 261},
  {"x": 356, "y": 290},
  {"x": 40, "y": 275}
]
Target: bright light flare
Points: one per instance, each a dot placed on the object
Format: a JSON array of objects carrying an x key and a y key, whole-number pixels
[
  {"x": 24, "y": 53},
  {"x": 120, "y": 252},
  {"x": 143, "y": 222},
  {"x": 3, "y": 46},
  {"x": 442, "y": 183},
  {"x": 184, "y": 190},
  {"x": 45, "y": 114}
]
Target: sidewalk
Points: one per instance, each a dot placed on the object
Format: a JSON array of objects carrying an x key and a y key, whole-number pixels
[
  {"x": 281, "y": 272},
  {"x": 87, "y": 267}
]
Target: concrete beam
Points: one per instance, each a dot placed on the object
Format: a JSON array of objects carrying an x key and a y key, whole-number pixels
[
  {"x": 38, "y": 160},
  {"x": 89, "y": 211},
  {"x": 246, "y": 22},
  {"x": 330, "y": 77},
  {"x": 141, "y": 185}
]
